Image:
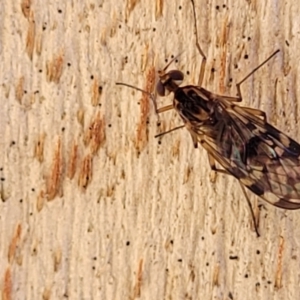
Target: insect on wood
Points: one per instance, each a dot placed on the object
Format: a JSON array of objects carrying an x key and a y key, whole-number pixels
[{"x": 263, "y": 159}]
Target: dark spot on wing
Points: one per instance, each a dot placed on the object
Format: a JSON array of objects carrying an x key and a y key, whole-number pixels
[
  {"x": 293, "y": 148},
  {"x": 272, "y": 131},
  {"x": 251, "y": 126},
  {"x": 251, "y": 146},
  {"x": 255, "y": 189},
  {"x": 237, "y": 172}
]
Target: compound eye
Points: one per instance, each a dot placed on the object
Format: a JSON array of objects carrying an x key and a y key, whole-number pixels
[
  {"x": 161, "y": 90},
  {"x": 176, "y": 76}
]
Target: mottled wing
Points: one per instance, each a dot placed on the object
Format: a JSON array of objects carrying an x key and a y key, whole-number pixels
[{"x": 264, "y": 159}]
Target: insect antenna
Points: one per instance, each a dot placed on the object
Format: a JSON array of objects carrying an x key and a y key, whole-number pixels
[
  {"x": 151, "y": 95},
  {"x": 154, "y": 95},
  {"x": 153, "y": 98},
  {"x": 168, "y": 65}
]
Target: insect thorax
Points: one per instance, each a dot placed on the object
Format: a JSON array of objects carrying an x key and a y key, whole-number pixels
[{"x": 193, "y": 106}]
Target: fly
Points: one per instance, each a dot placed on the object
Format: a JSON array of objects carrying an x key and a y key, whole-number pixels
[{"x": 262, "y": 158}]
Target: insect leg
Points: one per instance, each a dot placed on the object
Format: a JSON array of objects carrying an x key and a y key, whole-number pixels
[
  {"x": 212, "y": 155},
  {"x": 203, "y": 63},
  {"x": 239, "y": 97},
  {"x": 166, "y": 132},
  {"x": 165, "y": 108},
  {"x": 214, "y": 168},
  {"x": 238, "y": 85},
  {"x": 251, "y": 210}
]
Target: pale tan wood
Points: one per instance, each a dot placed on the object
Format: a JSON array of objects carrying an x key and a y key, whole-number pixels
[{"x": 92, "y": 206}]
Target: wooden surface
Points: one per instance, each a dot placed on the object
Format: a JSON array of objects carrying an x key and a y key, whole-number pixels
[{"x": 93, "y": 207}]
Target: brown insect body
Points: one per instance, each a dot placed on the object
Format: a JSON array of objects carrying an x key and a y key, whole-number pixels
[{"x": 265, "y": 160}]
